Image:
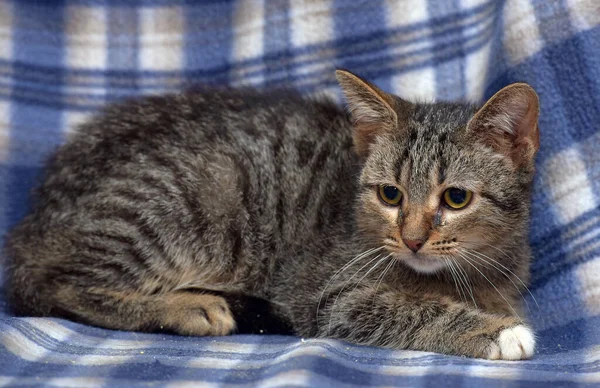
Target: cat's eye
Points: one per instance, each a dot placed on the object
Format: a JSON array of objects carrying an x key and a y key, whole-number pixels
[
  {"x": 457, "y": 198},
  {"x": 390, "y": 195}
]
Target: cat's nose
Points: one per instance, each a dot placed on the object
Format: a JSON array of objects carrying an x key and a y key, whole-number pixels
[{"x": 414, "y": 245}]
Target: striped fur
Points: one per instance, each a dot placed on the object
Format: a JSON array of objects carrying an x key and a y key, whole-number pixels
[{"x": 165, "y": 213}]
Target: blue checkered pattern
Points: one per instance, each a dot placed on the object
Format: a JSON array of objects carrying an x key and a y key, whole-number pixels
[{"x": 62, "y": 60}]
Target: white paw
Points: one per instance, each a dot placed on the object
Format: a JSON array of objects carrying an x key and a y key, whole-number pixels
[{"x": 516, "y": 343}]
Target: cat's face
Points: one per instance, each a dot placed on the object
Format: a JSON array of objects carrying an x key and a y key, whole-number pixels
[{"x": 443, "y": 179}]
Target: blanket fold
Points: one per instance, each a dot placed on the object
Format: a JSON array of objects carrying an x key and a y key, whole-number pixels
[{"x": 62, "y": 61}]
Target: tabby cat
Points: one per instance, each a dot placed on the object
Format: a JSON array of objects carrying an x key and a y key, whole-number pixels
[{"x": 212, "y": 212}]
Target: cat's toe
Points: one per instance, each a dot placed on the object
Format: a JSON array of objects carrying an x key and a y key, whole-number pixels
[
  {"x": 221, "y": 319},
  {"x": 493, "y": 352},
  {"x": 199, "y": 315},
  {"x": 516, "y": 343},
  {"x": 212, "y": 319}
]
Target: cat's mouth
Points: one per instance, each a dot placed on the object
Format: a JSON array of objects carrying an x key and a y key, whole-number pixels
[{"x": 421, "y": 263}]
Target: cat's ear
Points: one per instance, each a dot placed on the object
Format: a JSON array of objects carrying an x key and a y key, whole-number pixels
[
  {"x": 372, "y": 110},
  {"x": 508, "y": 122}
]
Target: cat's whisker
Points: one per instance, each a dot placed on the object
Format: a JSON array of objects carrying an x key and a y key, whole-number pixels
[
  {"x": 458, "y": 287},
  {"x": 356, "y": 259},
  {"x": 491, "y": 283},
  {"x": 353, "y": 261},
  {"x": 371, "y": 270},
  {"x": 507, "y": 269},
  {"x": 473, "y": 242},
  {"x": 503, "y": 266},
  {"x": 462, "y": 275},
  {"x": 380, "y": 278},
  {"x": 467, "y": 281},
  {"x": 476, "y": 256},
  {"x": 463, "y": 285},
  {"x": 344, "y": 287}
]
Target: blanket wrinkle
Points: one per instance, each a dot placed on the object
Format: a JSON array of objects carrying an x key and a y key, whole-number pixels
[{"x": 61, "y": 61}]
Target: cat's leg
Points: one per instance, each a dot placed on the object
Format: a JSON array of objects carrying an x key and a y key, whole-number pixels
[
  {"x": 397, "y": 320},
  {"x": 186, "y": 313},
  {"x": 88, "y": 285}
]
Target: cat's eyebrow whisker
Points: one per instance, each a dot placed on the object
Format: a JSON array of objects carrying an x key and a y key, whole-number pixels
[
  {"x": 344, "y": 287},
  {"x": 477, "y": 256},
  {"x": 491, "y": 283},
  {"x": 465, "y": 280},
  {"x": 500, "y": 264},
  {"x": 355, "y": 260}
]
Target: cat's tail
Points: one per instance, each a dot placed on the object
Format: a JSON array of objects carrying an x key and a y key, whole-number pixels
[{"x": 27, "y": 282}]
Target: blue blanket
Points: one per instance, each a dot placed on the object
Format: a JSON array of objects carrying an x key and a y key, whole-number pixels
[{"x": 62, "y": 60}]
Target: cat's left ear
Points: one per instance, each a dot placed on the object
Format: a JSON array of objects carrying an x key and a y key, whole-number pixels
[
  {"x": 373, "y": 111},
  {"x": 508, "y": 122}
]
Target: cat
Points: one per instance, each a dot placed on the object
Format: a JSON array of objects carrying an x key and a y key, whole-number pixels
[{"x": 402, "y": 225}]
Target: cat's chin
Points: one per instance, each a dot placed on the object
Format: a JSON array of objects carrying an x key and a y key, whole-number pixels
[{"x": 422, "y": 263}]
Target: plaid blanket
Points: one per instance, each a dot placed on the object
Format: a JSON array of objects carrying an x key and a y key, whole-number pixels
[{"x": 62, "y": 60}]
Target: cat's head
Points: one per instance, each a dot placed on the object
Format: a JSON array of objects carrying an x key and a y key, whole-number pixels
[{"x": 443, "y": 179}]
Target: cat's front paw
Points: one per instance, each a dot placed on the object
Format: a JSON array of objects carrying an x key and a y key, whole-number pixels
[
  {"x": 199, "y": 315},
  {"x": 515, "y": 343}
]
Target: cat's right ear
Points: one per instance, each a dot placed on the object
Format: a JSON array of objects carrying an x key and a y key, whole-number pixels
[
  {"x": 372, "y": 110},
  {"x": 508, "y": 123}
]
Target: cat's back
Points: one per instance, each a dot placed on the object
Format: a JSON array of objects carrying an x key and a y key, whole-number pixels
[
  {"x": 276, "y": 136},
  {"x": 198, "y": 116},
  {"x": 191, "y": 164}
]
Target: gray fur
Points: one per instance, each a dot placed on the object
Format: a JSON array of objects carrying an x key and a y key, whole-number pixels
[{"x": 164, "y": 213}]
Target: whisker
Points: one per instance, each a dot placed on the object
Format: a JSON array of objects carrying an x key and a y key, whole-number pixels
[
  {"x": 344, "y": 287},
  {"x": 463, "y": 296},
  {"x": 469, "y": 283},
  {"x": 488, "y": 245},
  {"x": 371, "y": 270},
  {"x": 476, "y": 255},
  {"x": 465, "y": 278},
  {"x": 459, "y": 289},
  {"x": 491, "y": 283},
  {"x": 338, "y": 272},
  {"x": 500, "y": 264},
  {"x": 380, "y": 278}
]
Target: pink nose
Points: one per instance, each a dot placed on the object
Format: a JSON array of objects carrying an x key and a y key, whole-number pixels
[{"x": 413, "y": 245}]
